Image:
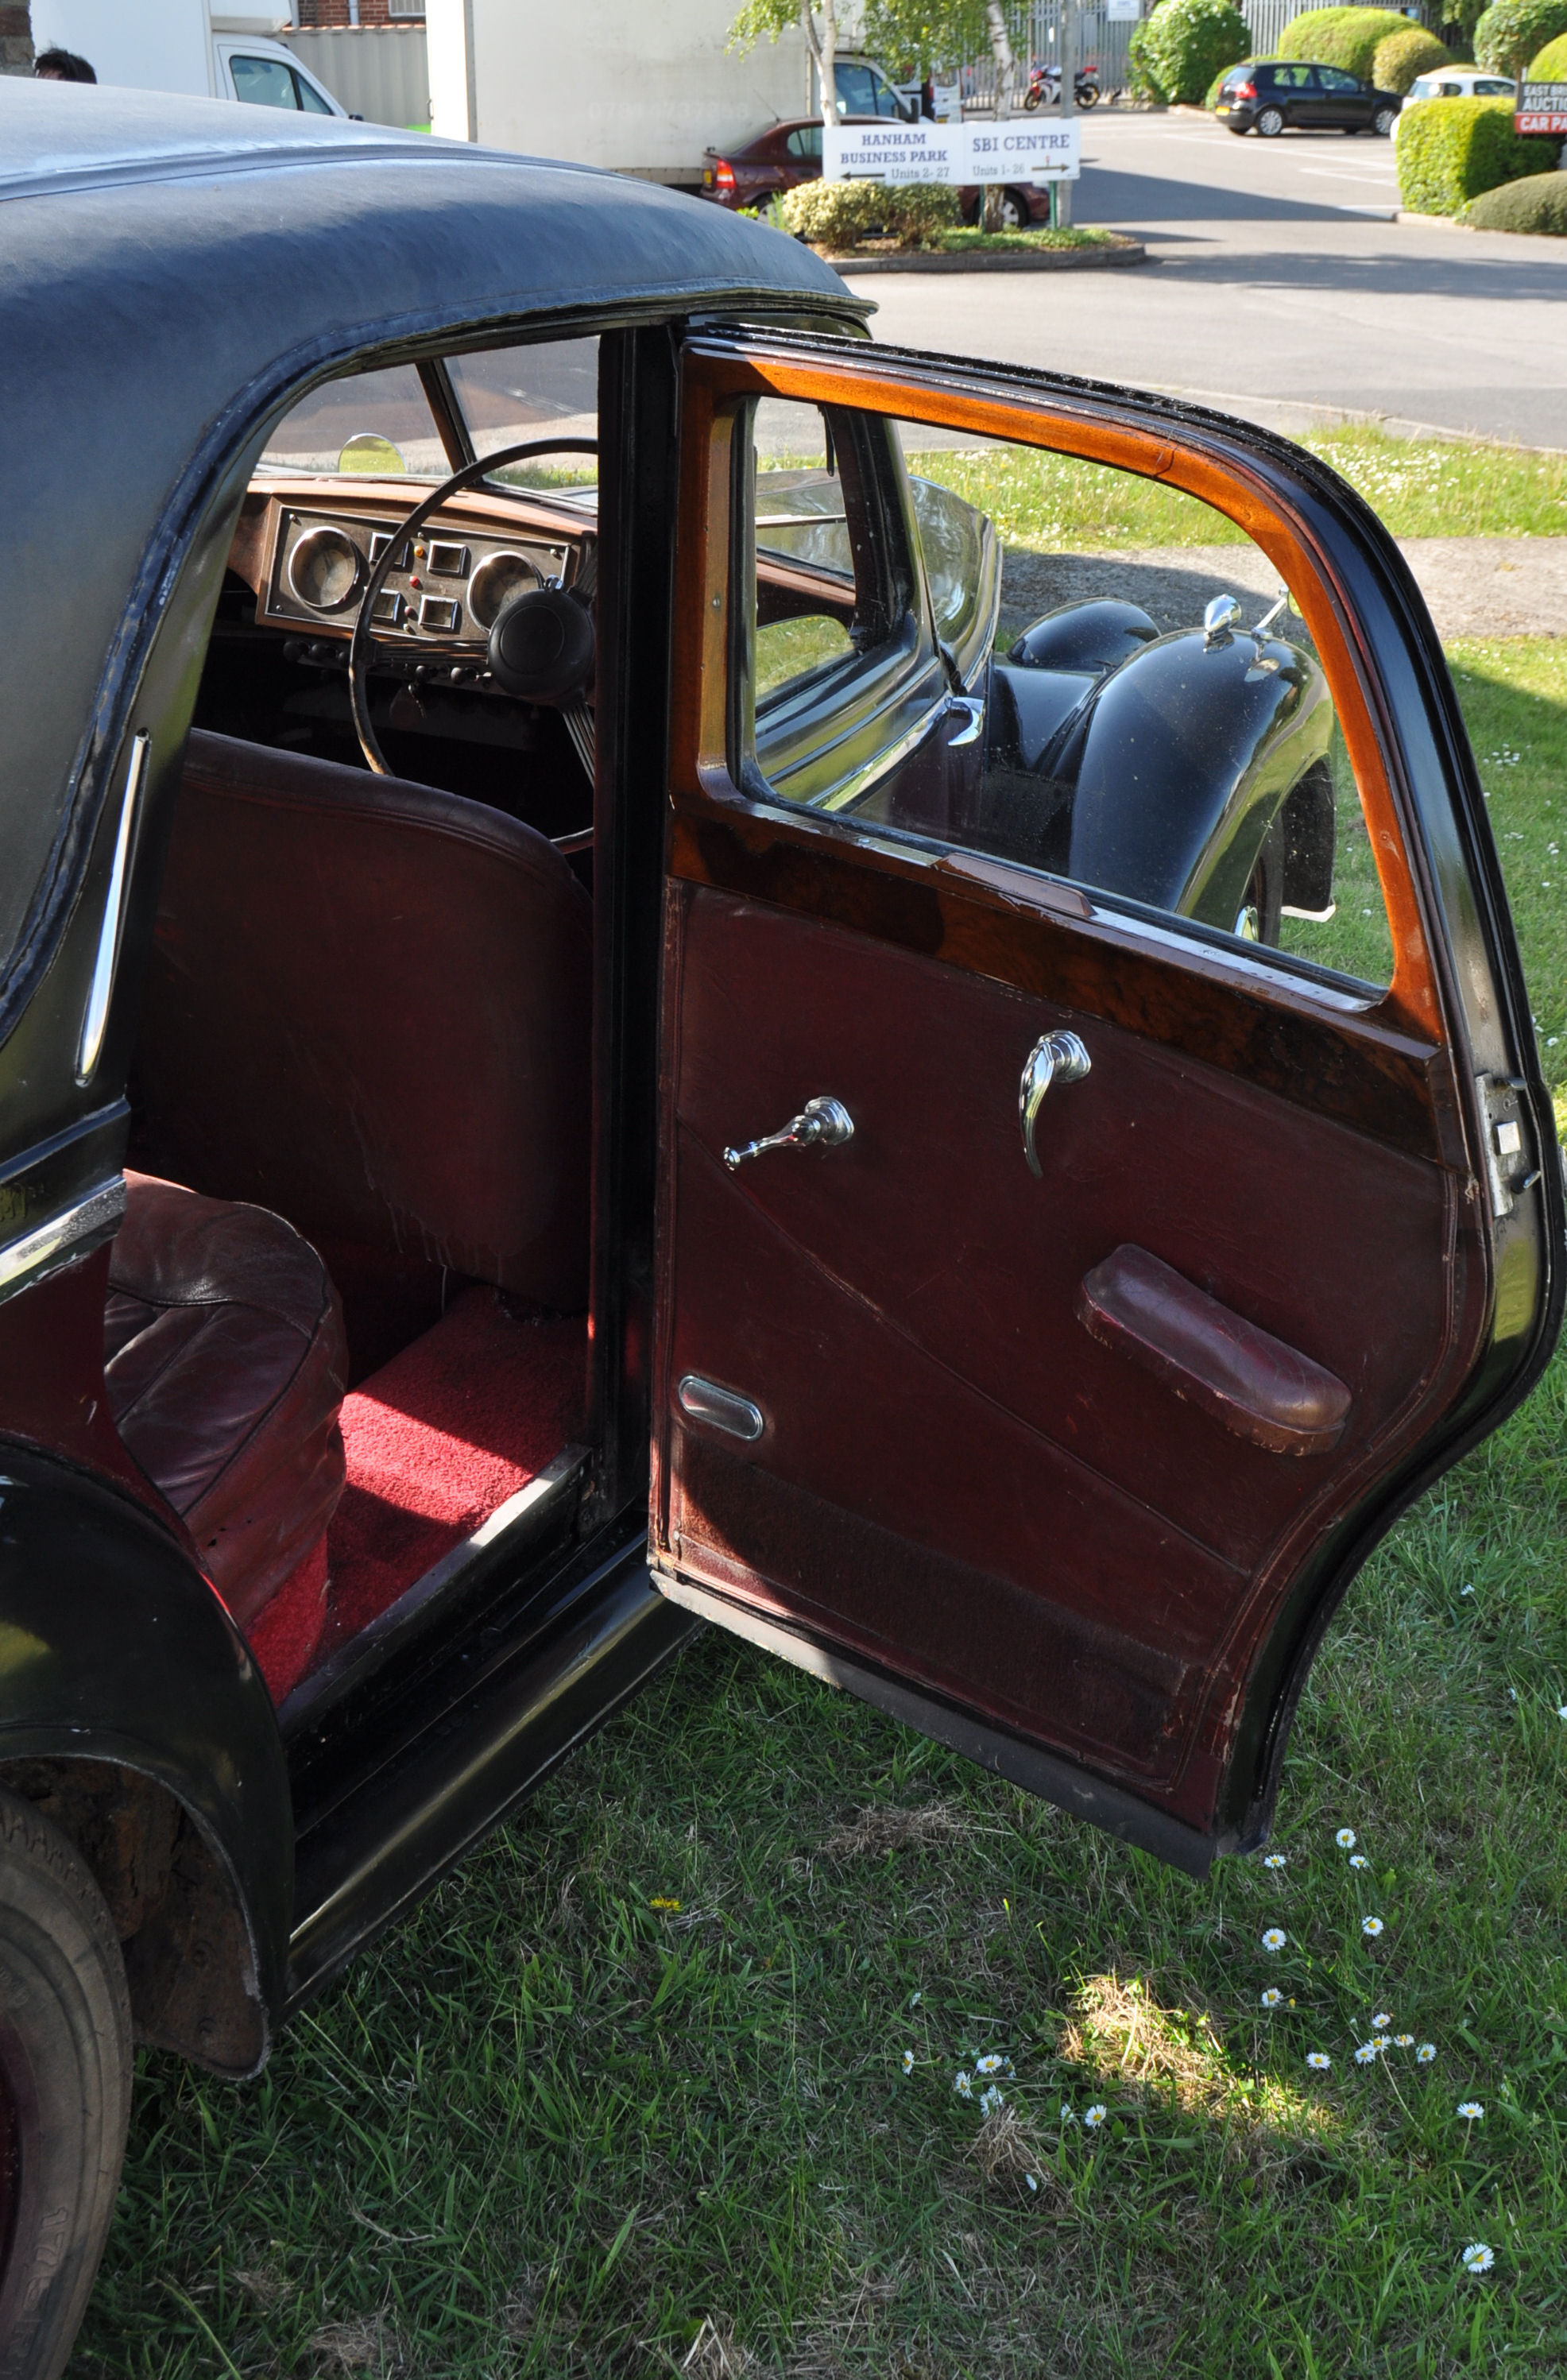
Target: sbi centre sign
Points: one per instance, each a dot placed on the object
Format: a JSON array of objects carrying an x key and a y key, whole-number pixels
[{"x": 1002, "y": 150}]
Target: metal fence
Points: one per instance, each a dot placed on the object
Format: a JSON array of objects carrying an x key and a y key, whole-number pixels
[
  {"x": 378, "y": 71},
  {"x": 1102, "y": 42}
]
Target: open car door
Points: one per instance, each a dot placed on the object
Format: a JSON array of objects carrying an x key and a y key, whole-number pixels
[{"x": 1068, "y": 1268}]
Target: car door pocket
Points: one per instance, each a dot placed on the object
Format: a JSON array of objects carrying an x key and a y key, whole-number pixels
[{"x": 1254, "y": 1384}]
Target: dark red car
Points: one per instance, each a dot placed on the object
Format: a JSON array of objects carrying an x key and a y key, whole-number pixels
[{"x": 791, "y": 153}]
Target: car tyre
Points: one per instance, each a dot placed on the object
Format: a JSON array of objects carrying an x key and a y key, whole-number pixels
[
  {"x": 1261, "y": 913},
  {"x": 1013, "y": 212},
  {"x": 1271, "y": 123},
  {"x": 64, "y": 2088},
  {"x": 1383, "y": 121}
]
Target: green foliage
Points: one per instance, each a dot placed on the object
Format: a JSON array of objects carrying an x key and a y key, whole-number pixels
[
  {"x": 1398, "y": 57},
  {"x": 833, "y": 215},
  {"x": 1549, "y": 64},
  {"x": 912, "y": 38},
  {"x": 1176, "y": 52},
  {"x": 1340, "y": 37},
  {"x": 763, "y": 20},
  {"x": 1538, "y": 203},
  {"x": 1450, "y": 150},
  {"x": 1510, "y": 31}
]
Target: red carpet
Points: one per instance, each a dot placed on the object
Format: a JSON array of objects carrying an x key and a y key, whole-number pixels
[{"x": 440, "y": 1436}]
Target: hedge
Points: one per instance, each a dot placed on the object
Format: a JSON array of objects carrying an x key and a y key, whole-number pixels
[
  {"x": 1400, "y": 56},
  {"x": 1512, "y": 30},
  {"x": 835, "y": 214},
  {"x": 1452, "y": 149},
  {"x": 1176, "y": 52},
  {"x": 1550, "y": 64},
  {"x": 1340, "y": 37},
  {"x": 1538, "y": 203}
]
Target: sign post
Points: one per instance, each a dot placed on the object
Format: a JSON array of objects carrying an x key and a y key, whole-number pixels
[
  {"x": 1543, "y": 108},
  {"x": 1015, "y": 148}
]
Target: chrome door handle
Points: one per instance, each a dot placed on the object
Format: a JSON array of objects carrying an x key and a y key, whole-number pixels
[
  {"x": 821, "y": 1124},
  {"x": 976, "y": 710},
  {"x": 1055, "y": 1058}
]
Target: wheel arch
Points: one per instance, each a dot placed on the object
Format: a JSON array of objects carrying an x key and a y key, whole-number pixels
[{"x": 132, "y": 1714}]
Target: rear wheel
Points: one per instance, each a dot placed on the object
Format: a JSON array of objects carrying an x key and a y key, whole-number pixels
[
  {"x": 64, "y": 2089},
  {"x": 1261, "y": 912},
  {"x": 1383, "y": 121},
  {"x": 1011, "y": 212},
  {"x": 1271, "y": 123}
]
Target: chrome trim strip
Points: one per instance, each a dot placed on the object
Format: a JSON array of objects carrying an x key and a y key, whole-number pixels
[
  {"x": 63, "y": 1237},
  {"x": 109, "y": 932},
  {"x": 720, "y": 1408}
]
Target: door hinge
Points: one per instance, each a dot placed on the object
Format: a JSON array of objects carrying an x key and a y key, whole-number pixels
[{"x": 1510, "y": 1166}]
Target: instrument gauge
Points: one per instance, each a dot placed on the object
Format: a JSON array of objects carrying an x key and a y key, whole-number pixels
[
  {"x": 325, "y": 568},
  {"x": 498, "y": 577}
]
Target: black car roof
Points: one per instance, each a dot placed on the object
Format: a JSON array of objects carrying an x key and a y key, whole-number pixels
[{"x": 170, "y": 268}]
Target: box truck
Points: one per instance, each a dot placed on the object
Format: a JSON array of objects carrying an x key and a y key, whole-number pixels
[{"x": 183, "y": 45}]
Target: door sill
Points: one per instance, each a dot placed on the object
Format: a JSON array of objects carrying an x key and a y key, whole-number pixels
[{"x": 1052, "y": 1779}]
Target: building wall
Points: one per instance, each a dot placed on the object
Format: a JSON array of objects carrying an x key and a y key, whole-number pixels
[{"x": 313, "y": 13}]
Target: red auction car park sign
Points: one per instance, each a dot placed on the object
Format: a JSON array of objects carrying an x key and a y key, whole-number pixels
[{"x": 1543, "y": 108}]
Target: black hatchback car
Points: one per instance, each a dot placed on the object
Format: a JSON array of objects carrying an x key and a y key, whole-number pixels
[
  {"x": 612, "y": 1014},
  {"x": 1289, "y": 94}
]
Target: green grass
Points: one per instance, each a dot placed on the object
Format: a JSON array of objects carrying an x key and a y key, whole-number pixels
[
  {"x": 1421, "y": 488},
  {"x": 968, "y": 240},
  {"x": 639, "y": 2067}
]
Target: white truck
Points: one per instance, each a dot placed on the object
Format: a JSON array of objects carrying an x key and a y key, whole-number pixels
[
  {"x": 646, "y": 90},
  {"x": 183, "y": 45}
]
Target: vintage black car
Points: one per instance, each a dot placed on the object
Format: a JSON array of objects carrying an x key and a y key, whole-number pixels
[{"x": 618, "y": 1007}]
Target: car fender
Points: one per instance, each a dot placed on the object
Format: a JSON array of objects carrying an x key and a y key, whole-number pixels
[
  {"x": 1185, "y": 758},
  {"x": 131, "y": 1711}
]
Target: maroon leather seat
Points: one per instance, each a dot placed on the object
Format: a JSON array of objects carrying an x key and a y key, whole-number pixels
[
  {"x": 369, "y": 1009},
  {"x": 227, "y": 1364}
]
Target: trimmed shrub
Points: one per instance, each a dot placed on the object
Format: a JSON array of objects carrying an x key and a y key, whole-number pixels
[
  {"x": 1340, "y": 37},
  {"x": 1452, "y": 149},
  {"x": 1512, "y": 30},
  {"x": 1548, "y": 64},
  {"x": 1538, "y": 203},
  {"x": 1177, "y": 52},
  {"x": 835, "y": 214},
  {"x": 1397, "y": 60}
]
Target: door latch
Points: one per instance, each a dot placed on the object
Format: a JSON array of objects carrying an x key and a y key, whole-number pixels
[
  {"x": 1507, "y": 1168},
  {"x": 821, "y": 1124},
  {"x": 1055, "y": 1058}
]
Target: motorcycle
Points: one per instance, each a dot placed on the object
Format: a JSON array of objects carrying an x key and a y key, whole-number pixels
[{"x": 1044, "y": 83}]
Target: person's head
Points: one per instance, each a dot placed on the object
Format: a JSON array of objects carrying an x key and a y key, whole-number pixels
[{"x": 62, "y": 66}]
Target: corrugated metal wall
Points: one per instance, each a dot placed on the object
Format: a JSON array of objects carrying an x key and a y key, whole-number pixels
[
  {"x": 1102, "y": 42},
  {"x": 378, "y": 71}
]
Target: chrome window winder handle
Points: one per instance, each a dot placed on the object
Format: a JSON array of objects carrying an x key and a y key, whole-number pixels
[
  {"x": 1055, "y": 1058},
  {"x": 821, "y": 1124}
]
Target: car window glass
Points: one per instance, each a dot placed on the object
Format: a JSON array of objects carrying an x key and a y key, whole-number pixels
[
  {"x": 1292, "y": 77},
  {"x": 1334, "y": 79},
  {"x": 511, "y": 395},
  {"x": 264, "y": 82},
  {"x": 856, "y": 92},
  {"x": 310, "y": 99},
  {"x": 1135, "y": 705},
  {"x": 805, "y": 141},
  {"x": 1492, "y": 88},
  {"x": 368, "y": 407}
]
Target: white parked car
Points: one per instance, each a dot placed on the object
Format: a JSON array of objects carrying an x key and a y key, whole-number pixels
[{"x": 1456, "y": 83}]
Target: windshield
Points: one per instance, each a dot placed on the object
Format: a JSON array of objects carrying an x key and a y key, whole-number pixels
[{"x": 382, "y": 421}]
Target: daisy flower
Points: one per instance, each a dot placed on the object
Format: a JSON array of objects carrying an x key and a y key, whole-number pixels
[
  {"x": 1371, "y": 1925},
  {"x": 1275, "y": 1938},
  {"x": 1275, "y": 1859},
  {"x": 914, "y": 1998},
  {"x": 1425, "y": 2053},
  {"x": 1562, "y": 1710},
  {"x": 991, "y": 2100},
  {"x": 991, "y": 2063},
  {"x": 1272, "y": 1996},
  {"x": 1066, "y": 2114},
  {"x": 1319, "y": 2061},
  {"x": 1094, "y": 2116},
  {"x": 1360, "y": 1860},
  {"x": 1345, "y": 1839},
  {"x": 1032, "y": 2180},
  {"x": 963, "y": 2084},
  {"x": 1380, "y": 2021},
  {"x": 1477, "y": 2257},
  {"x": 1465, "y": 1590},
  {"x": 1471, "y": 2110},
  {"x": 1366, "y": 2054},
  {"x": 1403, "y": 2041},
  {"x": 908, "y": 2061}
]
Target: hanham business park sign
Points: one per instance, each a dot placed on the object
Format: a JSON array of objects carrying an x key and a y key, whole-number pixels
[
  {"x": 1000, "y": 151},
  {"x": 1543, "y": 108}
]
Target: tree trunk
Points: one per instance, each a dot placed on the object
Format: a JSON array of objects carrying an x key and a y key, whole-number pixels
[
  {"x": 823, "y": 47},
  {"x": 1000, "y": 50},
  {"x": 16, "y": 39}
]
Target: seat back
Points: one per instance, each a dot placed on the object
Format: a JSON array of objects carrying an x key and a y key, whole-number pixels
[{"x": 369, "y": 1009}]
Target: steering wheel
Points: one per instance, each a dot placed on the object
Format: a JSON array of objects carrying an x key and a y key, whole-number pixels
[{"x": 541, "y": 643}]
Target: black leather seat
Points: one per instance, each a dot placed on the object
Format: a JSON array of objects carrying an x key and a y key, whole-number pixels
[
  {"x": 227, "y": 1364},
  {"x": 369, "y": 1009}
]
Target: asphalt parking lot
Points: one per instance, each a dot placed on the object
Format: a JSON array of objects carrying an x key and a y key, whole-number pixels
[{"x": 1282, "y": 288}]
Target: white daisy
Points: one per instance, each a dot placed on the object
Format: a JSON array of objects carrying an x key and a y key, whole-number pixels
[
  {"x": 1066, "y": 2114},
  {"x": 991, "y": 2063},
  {"x": 1345, "y": 1839},
  {"x": 1471, "y": 2110},
  {"x": 1425, "y": 2053},
  {"x": 1275, "y": 1938},
  {"x": 1380, "y": 2021},
  {"x": 1366, "y": 2054},
  {"x": 1562, "y": 1710},
  {"x": 1319, "y": 2061},
  {"x": 1272, "y": 1996},
  {"x": 1094, "y": 2118},
  {"x": 1032, "y": 2180},
  {"x": 991, "y": 2100},
  {"x": 1371, "y": 1925},
  {"x": 908, "y": 2061},
  {"x": 963, "y": 2084},
  {"x": 1477, "y": 2257},
  {"x": 1359, "y": 1860},
  {"x": 914, "y": 1998},
  {"x": 1403, "y": 2041},
  {"x": 1275, "y": 1859},
  {"x": 1465, "y": 1590}
]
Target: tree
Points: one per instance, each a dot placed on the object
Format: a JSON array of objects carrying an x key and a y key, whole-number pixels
[
  {"x": 1509, "y": 31},
  {"x": 767, "y": 19},
  {"x": 16, "y": 39}
]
